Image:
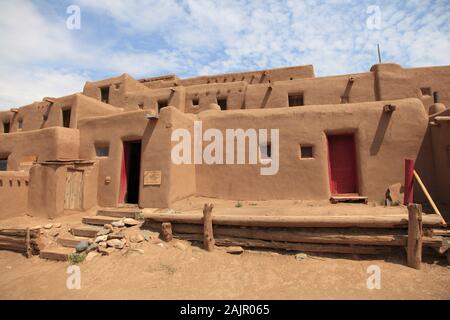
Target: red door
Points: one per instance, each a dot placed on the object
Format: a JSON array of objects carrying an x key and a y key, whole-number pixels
[{"x": 342, "y": 164}]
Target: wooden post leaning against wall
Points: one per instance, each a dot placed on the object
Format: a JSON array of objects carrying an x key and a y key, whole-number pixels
[
  {"x": 208, "y": 236},
  {"x": 166, "y": 231},
  {"x": 414, "y": 235}
]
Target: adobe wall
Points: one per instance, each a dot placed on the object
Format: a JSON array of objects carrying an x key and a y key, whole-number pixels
[
  {"x": 110, "y": 131},
  {"x": 46, "y": 197},
  {"x": 440, "y": 134},
  {"x": 13, "y": 193},
  {"x": 382, "y": 145},
  {"x": 45, "y": 144}
]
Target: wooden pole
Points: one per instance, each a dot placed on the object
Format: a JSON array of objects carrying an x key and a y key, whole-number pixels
[
  {"x": 208, "y": 236},
  {"x": 166, "y": 231},
  {"x": 427, "y": 194},
  {"x": 27, "y": 242},
  {"x": 414, "y": 235},
  {"x": 391, "y": 221},
  {"x": 409, "y": 182}
]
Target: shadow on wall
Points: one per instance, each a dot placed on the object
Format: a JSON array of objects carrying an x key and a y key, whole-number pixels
[{"x": 383, "y": 124}]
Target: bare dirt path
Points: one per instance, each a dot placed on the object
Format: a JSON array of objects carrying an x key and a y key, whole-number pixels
[{"x": 168, "y": 272}]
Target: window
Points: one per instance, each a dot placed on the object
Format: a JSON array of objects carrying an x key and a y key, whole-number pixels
[
  {"x": 3, "y": 164},
  {"x": 222, "y": 102},
  {"x": 6, "y": 127},
  {"x": 195, "y": 102},
  {"x": 104, "y": 92},
  {"x": 265, "y": 151},
  {"x": 102, "y": 151},
  {"x": 425, "y": 91},
  {"x": 295, "y": 100},
  {"x": 66, "y": 117},
  {"x": 141, "y": 106},
  {"x": 20, "y": 124},
  {"x": 306, "y": 152},
  {"x": 162, "y": 104}
]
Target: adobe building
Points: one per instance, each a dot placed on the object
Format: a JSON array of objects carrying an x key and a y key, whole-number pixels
[{"x": 111, "y": 144}]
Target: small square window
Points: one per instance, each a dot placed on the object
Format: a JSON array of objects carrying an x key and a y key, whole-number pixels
[
  {"x": 222, "y": 102},
  {"x": 3, "y": 164},
  {"x": 195, "y": 102},
  {"x": 102, "y": 151},
  {"x": 425, "y": 91},
  {"x": 6, "y": 126},
  {"x": 104, "y": 93},
  {"x": 140, "y": 105},
  {"x": 162, "y": 104},
  {"x": 306, "y": 152},
  {"x": 296, "y": 100},
  {"x": 265, "y": 151}
]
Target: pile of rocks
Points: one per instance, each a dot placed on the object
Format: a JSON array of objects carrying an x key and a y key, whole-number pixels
[{"x": 115, "y": 236}]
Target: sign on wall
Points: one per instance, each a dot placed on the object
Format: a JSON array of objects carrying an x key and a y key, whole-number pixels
[{"x": 152, "y": 178}]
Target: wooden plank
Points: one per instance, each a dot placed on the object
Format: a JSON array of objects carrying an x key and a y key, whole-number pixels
[
  {"x": 325, "y": 248},
  {"x": 415, "y": 235},
  {"x": 297, "y": 221},
  {"x": 34, "y": 232}
]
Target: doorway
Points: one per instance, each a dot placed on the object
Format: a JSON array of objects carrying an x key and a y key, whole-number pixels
[
  {"x": 342, "y": 164},
  {"x": 130, "y": 172}
]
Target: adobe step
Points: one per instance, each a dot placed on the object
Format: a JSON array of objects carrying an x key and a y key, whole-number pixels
[
  {"x": 71, "y": 241},
  {"x": 56, "y": 254},
  {"x": 119, "y": 212},
  {"x": 99, "y": 220},
  {"x": 85, "y": 231}
]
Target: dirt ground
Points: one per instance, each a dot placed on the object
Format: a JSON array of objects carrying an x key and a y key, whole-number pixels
[{"x": 173, "y": 271}]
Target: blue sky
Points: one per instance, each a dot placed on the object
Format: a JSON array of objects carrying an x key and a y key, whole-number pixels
[{"x": 40, "y": 56}]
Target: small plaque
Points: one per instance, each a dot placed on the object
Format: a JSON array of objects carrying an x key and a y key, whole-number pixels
[{"x": 152, "y": 178}]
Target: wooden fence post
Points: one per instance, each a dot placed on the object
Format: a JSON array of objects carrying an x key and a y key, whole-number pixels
[
  {"x": 409, "y": 182},
  {"x": 208, "y": 236},
  {"x": 414, "y": 235},
  {"x": 166, "y": 231}
]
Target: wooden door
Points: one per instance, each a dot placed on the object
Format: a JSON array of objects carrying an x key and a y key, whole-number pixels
[
  {"x": 342, "y": 164},
  {"x": 73, "y": 198}
]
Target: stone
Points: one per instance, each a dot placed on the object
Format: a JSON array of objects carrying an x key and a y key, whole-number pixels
[
  {"x": 103, "y": 232},
  {"x": 130, "y": 222},
  {"x": 53, "y": 233},
  {"x": 81, "y": 246},
  {"x": 301, "y": 256},
  {"x": 48, "y": 226},
  {"x": 57, "y": 225},
  {"x": 168, "y": 210},
  {"x": 109, "y": 227},
  {"x": 102, "y": 238},
  {"x": 105, "y": 251},
  {"x": 138, "y": 251},
  {"x": 115, "y": 243},
  {"x": 235, "y": 250},
  {"x": 103, "y": 244},
  {"x": 136, "y": 238},
  {"x": 146, "y": 234},
  {"x": 180, "y": 245},
  {"x": 118, "y": 224},
  {"x": 92, "y": 247},
  {"x": 91, "y": 255},
  {"x": 116, "y": 235}
]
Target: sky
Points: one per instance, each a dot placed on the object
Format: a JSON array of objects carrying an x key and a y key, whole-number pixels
[{"x": 43, "y": 52}]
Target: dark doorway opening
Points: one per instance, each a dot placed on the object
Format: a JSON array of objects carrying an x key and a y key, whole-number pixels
[
  {"x": 130, "y": 175},
  {"x": 342, "y": 164},
  {"x": 66, "y": 117}
]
